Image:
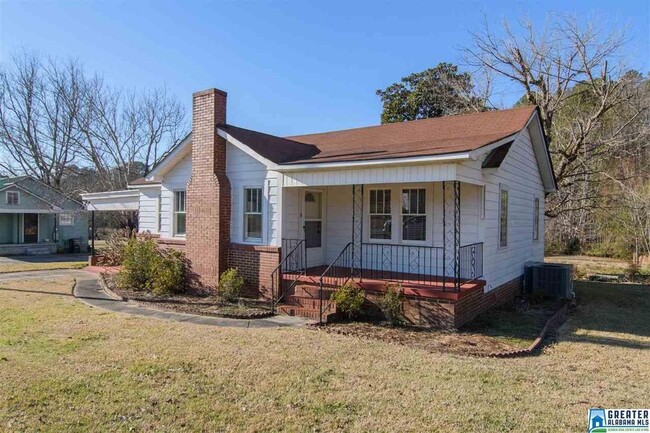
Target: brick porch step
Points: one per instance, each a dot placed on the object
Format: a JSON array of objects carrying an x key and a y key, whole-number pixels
[
  {"x": 310, "y": 291},
  {"x": 309, "y": 313}
]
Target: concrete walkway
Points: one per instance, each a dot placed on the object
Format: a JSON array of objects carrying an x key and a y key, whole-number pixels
[{"x": 89, "y": 291}]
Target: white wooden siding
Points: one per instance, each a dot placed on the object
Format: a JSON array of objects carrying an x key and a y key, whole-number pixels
[
  {"x": 372, "y": 175},
  {"x": 246, "y": 172},
  {"x": 175, "y": 179},
  {"x": 148, "y": 210},
  {"x": 520, "y": 173}
]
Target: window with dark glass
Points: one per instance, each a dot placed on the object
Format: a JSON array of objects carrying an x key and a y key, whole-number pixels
[
  {"x": 253, "y": 214},
  {"x": 536, "y": 220},
  {"x": 179, "y": 213},
  {"x": 503, "y": 218},
  {"x": 380, "y": 214},
  {"x": 414, "y": 220}
]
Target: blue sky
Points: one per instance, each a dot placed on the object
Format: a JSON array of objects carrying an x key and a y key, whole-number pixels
[{"x": 288, "y": 67}]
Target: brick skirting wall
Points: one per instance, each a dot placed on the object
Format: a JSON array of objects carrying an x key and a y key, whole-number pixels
[
  {"x": 255, "y": 263},
  {"x": 468, "y": 307},
  {"x": 444, "y": 314},
  {"x": 178, "y": 244}
]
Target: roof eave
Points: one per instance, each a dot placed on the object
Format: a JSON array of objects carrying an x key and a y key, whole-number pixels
[{"x": 447, "y": 157}]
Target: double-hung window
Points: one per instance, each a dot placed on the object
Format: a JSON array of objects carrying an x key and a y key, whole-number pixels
[
  {"x": 253, "y": 214},
  {"x": 503, "y": 217},
  {"x": 380, "y": 214},
  {"x": 179, "y": 213},
  {"x": 13, "y": 197},
  {"x": 414, "y": 220},
  {"x": 536, "y": 219},
  {"x": 66, "y": 219}
]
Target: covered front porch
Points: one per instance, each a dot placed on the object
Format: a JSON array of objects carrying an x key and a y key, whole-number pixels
[
  {"x": 426, "y": 237},
  {"x": 32, "y": 233}
]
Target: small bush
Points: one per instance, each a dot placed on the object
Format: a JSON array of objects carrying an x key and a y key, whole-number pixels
[
  {"x": 146, "y": 267},
  {"x": 391, "y": 304},
  {"x": 349, "y": 299},
  {"x": 139, "y": 260},
  {"x": 231, "y": 285},
  {"x": 170, "y": 273}
]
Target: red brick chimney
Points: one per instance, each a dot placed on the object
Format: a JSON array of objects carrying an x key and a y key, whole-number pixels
[{"x": 208, "y": 192}]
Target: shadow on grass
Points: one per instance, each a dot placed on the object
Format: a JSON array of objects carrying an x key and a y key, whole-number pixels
[
  {"x": 39, "y": 292},
  {"x": 519, "y": 329},
  {"x": 613, "y": 307}
]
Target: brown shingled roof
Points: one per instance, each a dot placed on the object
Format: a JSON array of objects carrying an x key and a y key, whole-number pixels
[{"x": 427, "y": 137}]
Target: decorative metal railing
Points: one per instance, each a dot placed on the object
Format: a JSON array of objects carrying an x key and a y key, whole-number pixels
[
  {"x": 471, "y": 262},
  {"x": 421, "y": 264},
  {"x": 287, "y": 274},
  {"x": 337, "y": 274}
]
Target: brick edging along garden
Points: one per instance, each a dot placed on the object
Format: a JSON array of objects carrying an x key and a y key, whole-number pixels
[
  {"x": 552, "y": 323},
  {"x": 152, "y": 303}
]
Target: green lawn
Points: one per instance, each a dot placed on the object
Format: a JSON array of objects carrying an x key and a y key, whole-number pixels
[{"x": 67, "y": 367}]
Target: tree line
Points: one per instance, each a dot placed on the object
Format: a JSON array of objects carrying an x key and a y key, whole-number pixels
[{"x": 595, "y": 112}]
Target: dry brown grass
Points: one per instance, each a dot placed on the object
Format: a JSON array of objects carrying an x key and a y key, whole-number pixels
[
  {"x": 6, "y": 268},
  {"x": 597, "y": 265},
  {"x": 65, "y": 366}
]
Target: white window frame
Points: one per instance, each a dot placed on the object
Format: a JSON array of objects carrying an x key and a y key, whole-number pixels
[
  {"x": 17, "y": 198},
  {"x": 502, "y": 189},
  {"x": 536, "y": 218},
  {"x": 245, "y": 213},
  {"x": 391, "y": 214},
  {"x": 428, "y": 214},
  {"x": 68, "y": 223},
  {"x": 175, "y": 212},
  {"x": 159, "y": 214}
]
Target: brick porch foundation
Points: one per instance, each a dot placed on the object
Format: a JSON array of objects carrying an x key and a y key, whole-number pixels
[
  {"x": 448, "y": 314},
  {"x": 255, "y": 263}
]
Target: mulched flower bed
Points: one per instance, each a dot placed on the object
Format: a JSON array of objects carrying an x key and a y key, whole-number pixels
[
  {"x": 194, "y": 303},
  {"x": 498, "y": 330}
]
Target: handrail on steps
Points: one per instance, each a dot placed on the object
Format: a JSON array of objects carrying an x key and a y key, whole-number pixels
[
  {"x": 300, "y": 268},
  {"x": 342, "y": 266}
]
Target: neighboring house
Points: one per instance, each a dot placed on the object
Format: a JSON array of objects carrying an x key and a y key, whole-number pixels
[
  {"x": 450, "y": 207},
  {"x": 36, "y": 219}
]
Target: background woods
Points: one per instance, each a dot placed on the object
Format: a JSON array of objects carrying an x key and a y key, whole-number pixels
[{"x": 594, "y": 110}]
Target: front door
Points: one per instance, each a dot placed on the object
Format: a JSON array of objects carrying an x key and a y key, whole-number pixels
[
  {"x": 30, "y": 228},
  {"x": 313, "y": 226}
]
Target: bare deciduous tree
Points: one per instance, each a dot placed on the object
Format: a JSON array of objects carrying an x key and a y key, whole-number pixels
[
  {"x": 39, "y": 105},
  {"x": 56, "y": 120},
  {"x": 559, "y": 68},
  {"x": 125, "y": 133}
]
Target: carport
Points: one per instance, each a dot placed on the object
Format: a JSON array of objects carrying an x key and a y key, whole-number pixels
[{"x": 125, "y": 200}]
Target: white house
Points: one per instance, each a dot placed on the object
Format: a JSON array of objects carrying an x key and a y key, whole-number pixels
[{"x": 451, "y": 208}]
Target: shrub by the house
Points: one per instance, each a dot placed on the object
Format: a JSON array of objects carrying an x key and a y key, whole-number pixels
[
  {"x": 231, "y": 285},
  {"x": 391, "y": 304},
  {"x": 147, "y": 267},
  {"x": 349, "y": 299}
]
